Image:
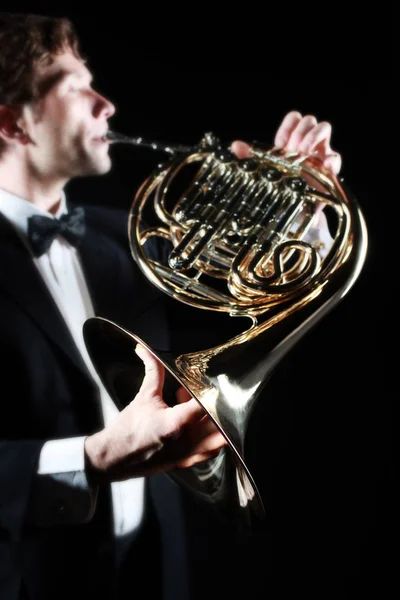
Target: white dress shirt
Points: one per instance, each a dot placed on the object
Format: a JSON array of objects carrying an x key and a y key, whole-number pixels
[{"x": 61, "y": 271}]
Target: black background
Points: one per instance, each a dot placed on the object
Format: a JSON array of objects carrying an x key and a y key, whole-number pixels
[{"x": 322, "y": 445}]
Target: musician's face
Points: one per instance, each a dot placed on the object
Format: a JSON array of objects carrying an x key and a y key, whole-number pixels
[{"x": 65, "y": 126}]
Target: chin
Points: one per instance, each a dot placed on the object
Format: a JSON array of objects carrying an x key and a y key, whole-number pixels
[
  {"x": 94, "y": 160},
  {"x": 101, "y": 166},
  {"x": 104, "y": 168}
]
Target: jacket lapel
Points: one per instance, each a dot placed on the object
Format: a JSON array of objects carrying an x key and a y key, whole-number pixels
[
  {"x": 109, "y": 270},
  {"x": 20, "y": 279}
]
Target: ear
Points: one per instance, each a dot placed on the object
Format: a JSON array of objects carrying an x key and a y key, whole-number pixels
[{"x": 10, "y": 131}]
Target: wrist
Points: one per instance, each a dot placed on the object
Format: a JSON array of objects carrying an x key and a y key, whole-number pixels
[{"x": 94, "y": 460}]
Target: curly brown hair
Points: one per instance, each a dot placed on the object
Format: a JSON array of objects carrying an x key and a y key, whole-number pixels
[{"x": 28, "y": 41}]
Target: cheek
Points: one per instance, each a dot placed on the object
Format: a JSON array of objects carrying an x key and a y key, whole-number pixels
[
  {"x": 63, "y": 112},
  {"x": 61, "y": 124},
  {"x": 74, "y": 122}
]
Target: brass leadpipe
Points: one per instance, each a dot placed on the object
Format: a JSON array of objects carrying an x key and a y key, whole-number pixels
[{"x": 119, "y": 138}]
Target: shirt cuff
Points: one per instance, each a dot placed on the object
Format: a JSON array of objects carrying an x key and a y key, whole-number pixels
[{"x": 62, "y": 456}]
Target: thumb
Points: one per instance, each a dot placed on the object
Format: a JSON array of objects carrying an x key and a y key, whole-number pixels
[{"x": 154, "y": 375}]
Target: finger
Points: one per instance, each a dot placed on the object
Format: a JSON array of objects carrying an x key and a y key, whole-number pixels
[
  {"x": 303, "y": 127},
  {"x": 330, "y": 159},
  {"x": 186, "y": 414},
  {"x": 241, "y": 149},
  {"x": 321, "y": 134},
  {"x": 333, "y": 163},
  {"x": 196, "y": 459},
  {"x": 154, "y": 372},
  {"x": 182, "y": 395},
  {"x": 192, "y": 432},
  {"x": 286, "y": 127},
  {"x": 205, "y": 426},
  {"x": 209, "y": 443}
]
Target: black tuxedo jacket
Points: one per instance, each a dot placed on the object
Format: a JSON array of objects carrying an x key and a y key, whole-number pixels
[{"x": 47, "y": 393}]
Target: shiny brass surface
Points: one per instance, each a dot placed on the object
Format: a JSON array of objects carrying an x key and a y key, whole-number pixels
[{"x": 237, "y": 232}]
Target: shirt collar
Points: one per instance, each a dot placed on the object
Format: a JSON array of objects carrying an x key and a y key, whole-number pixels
[{"x": 18, "y": 210}]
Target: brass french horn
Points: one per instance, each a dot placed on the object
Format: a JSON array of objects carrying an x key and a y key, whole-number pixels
[{"x": 239, "y": 237}]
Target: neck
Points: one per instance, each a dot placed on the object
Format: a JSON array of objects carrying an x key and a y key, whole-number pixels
[{"x": 44, "y": 192}]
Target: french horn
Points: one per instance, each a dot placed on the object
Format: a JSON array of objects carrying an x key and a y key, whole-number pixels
[{"x": 238, "y": 237}]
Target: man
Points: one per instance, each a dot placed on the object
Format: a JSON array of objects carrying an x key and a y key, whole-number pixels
[{"x": 76, "y": 514}]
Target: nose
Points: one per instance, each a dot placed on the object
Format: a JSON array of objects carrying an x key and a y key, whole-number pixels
[{"x": 103, "y": 107}]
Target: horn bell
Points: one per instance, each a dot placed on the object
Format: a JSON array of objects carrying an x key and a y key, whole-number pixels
[{"x": 224, "y": 481}]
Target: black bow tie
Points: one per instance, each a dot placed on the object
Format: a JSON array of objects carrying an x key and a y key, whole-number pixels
[{"x": 42, "y": 230}]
